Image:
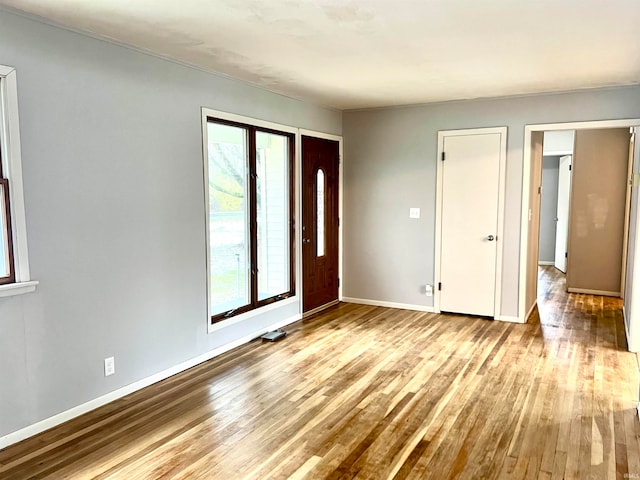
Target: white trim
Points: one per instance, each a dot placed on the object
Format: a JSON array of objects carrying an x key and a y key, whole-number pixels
[
  {"x": 544, "y": 262},
  {"x": 588, "y": 291},
  {"x": 557, "y": 153},
  {"x": 526, "y": 181},
  {"x": 437, "y": 241},
  {"x": 252, "y": 313},
  {"x": 18, "y": 288},
  {"x": 508, "y": 318},
  {"x": 340, "y": 140},
  {"x": 298, "y": 221},
  {"x": 630, "y": 344},
  {"x": 590, "y": 124},
  {"x": 497, "y": 305},
  {"x": 297, "y": 298},
  {"x": 10, "y": 139},
  {"x": 255, "y": 122},
  {"x": 74, "y": 412},
  {"x": 379, "y": 303},
  {"x": 320, "y": 308}
]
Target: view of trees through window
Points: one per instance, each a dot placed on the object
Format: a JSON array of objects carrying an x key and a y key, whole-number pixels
[
  {"x": 228, "y": 232},
  {"x": 250, "y": 212},
  {"x": 272, "y": 218}
]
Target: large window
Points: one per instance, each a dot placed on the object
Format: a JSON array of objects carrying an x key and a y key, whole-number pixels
[
  {"x": 251, "y": 207},
  {"x": 14, "y": 260}
]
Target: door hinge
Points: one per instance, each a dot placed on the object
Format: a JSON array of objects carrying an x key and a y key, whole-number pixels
[
  {"x": 338, "y": 221},
  {"x": 566, "y": 254},
  {"x": 569, "y": 167},
  {"x": 338, "y": 282},
  {"x": 539, "y": 190},
  {"x": 442, "y": 156},
  {"x": 439, "y": 286}
]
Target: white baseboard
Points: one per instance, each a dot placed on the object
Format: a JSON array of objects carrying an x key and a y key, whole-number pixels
[
  {"x": 378, "y": 303},
  {"x": 630, "y": 343},
  {"x": 320, "y": 308},
  {"x": 594, "y": 292},
  {"x": 74, "y": 412},
  {"x": 508, "y": 318},
  {"x": 544, "y": 262}
]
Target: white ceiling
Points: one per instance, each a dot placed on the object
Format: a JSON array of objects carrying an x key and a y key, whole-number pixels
[{"x": 370, "y": 53}]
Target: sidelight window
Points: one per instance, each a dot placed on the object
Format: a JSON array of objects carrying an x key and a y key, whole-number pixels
[
  {"x": 320, "y": 213},
  {"x": 250, "y": 179}
]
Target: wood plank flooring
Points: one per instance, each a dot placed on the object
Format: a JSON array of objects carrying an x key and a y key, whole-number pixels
[{"x": 369, "y": 392}]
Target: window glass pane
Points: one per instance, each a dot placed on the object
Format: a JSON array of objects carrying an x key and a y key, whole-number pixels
[
  {"x": 4, "y": 240},
  {"x": 228, "y": 220},
  {"x": 320, "y": 213},
  {"x": 272, "y": 195}
]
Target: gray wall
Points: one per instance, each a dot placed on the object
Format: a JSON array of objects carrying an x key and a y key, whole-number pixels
[
  {"x": 390, "y": 165},
  {"x": 112, "y": 160},
  {"x": 598, "y": 208},
  {"x": 548, "y": 208}
]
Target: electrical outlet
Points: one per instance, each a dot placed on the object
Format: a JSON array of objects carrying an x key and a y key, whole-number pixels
[
  {"x": 109, "y": 366},
  {"x": 414, "y": 212},
  {"x": 428, "y": 290}
]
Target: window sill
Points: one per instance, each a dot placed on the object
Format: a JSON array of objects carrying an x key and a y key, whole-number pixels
[
  {"x": 252, "y": 313},
  {"x": 18, "y": 288}
]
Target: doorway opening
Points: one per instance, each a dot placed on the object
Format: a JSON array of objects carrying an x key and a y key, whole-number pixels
[
  {"x": 555, "y": 207},
  {"x": 578, "y": 212}
]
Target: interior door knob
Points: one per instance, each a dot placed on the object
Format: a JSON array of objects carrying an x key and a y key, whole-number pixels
[{"x": 491, "y": 238}]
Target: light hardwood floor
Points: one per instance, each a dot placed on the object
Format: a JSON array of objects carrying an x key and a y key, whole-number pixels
[{"x": 369, "y": 392}]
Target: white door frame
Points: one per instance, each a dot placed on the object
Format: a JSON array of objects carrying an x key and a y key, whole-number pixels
[
  {"x": 500, "y": 223},
  {"x": 339, "y": 139},
  {"x": 526, "y": 185}
]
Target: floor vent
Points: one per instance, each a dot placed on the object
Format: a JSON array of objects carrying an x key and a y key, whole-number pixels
[{"x": 274, "y": 336}]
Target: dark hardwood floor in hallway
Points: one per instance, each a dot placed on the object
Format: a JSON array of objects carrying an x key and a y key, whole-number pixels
[{"x": 379, "y": 393}]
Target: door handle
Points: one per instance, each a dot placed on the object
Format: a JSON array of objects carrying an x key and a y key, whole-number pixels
[
  {"x": 491, "y": 238},
  {"x": 306, "y": 240}
]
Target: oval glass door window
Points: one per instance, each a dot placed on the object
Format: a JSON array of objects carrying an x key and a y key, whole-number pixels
[{"x": 320, "y": 243}]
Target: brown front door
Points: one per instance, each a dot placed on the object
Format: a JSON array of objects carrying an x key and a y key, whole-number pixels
[{"x": 320, "y": 159}]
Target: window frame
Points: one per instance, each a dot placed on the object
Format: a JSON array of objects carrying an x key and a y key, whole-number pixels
[
  {"x": 11, "y": 173},
  {"x": 252, "y": 127},
  {"x": 4, "y": 186}
]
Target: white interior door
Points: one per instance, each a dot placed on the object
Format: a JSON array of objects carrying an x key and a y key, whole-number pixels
[
  {"x": 562, "y": 215},
  {"x": 469, "y": 223}
]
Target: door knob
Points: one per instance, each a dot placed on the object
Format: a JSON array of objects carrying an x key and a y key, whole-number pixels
[{"x": 491, "y": 238}]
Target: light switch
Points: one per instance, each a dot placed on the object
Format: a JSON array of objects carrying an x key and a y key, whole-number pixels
[{"x": 414, "y": 213}]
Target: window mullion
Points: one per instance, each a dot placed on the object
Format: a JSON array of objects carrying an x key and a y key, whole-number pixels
[{"x": 253, "y": 216}]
